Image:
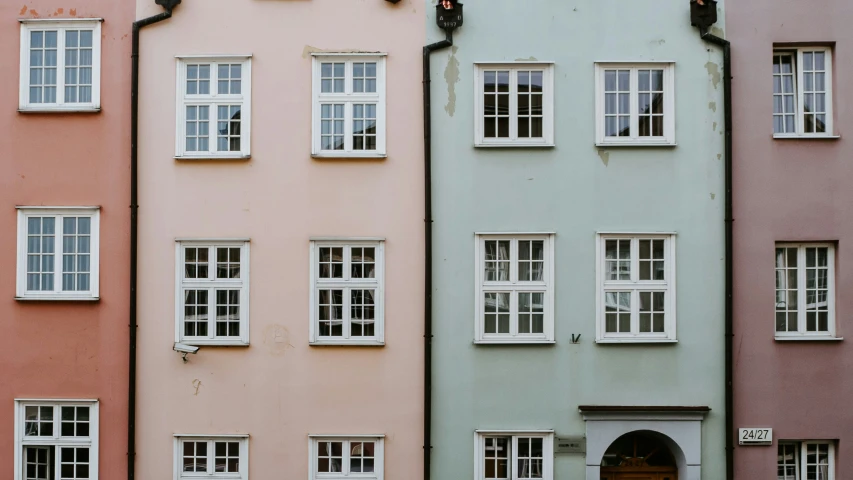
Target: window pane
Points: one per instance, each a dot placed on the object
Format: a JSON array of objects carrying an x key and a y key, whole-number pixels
[
  {"x": 529, "y": 100},
  {"x": 228, "y": 313},
  {"x": 496, "y": 457},
  {"x": 530, "y": 458},
  {"x": 496, "y": 101},
  {"x": 226, "y": 457},
  {"x": 195, "y": 313},
  {"x": 617, "y": 307},
  {"x": 617, "y": 254},
  {"x": 330, "y": 457},
  {"x": 531, "y": 310},
  {"x": 228, "y": 128},
  {"x": 331, "y": 306},
  {"x": 786, "y": 290},
  {"x": 41, "y": 240},
  {"x": 195, "y": 457},
  {"x": 332, "y": 126},
  {"x": 496, "y": 312},
  {"x": 362, "y": 312},
  {"x": 497, "y": 261},
  {"x": 617, "y": 93}
]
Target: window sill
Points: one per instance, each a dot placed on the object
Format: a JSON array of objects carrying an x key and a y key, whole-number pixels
[
  {"x": 346, "y": 343},
  {"x": 807, "y": 338},
  {"x": 215, "y": 343},
  {"x": 805, "y": 137},
  {"x": 58, "y": 298},
  {"x": 60, "y": 109},
  {"x": 515, "y": 145},
  {"x": 634, "y": 340},
  {"x": 213, "y": 157},
  {"x": 351, "y": 156},
  {"x": 635, "y": 144},
  {"x": 514, "y": 342}
]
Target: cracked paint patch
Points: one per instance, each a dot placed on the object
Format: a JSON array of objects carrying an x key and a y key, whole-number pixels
[
  {"x": 713, "y": 196},
  {"x": 714, "y": 72},
  {"x": 308, "y": 50},
  {"x": 451, "y": 76},
  {"x": 529, "y": 59},
  {"x": 713, "y": 107},
  {"x": 604, "y": 155},
  {"x": 715, "y": 124},
  {"x": 719, "y": 156}
]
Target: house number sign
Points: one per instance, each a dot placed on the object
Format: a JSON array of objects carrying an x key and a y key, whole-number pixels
[
  {"x": 563, "y": 445},
  {"x": 755, "y": 436}
]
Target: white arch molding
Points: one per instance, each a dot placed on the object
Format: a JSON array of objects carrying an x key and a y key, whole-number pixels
[{"x": 680, "y": 428}]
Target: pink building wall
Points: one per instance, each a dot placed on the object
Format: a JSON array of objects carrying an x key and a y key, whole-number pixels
[
  {"x": 55, "y": 350},
  {"x": 789, "y": 190},
  {"x": 279, "y": 389}
]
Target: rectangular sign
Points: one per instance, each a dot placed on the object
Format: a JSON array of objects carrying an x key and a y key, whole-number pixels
[
  {"x": 755, "y": 436},
  {"x": 564, "y": 445}
]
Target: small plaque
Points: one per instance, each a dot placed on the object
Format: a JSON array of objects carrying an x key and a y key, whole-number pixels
[
  {"x": 568, "y": 445},
  {"x": 755, "y": 436}
]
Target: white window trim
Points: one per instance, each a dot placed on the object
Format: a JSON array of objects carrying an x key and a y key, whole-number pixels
[
  {"x": 801, "y": 333},
  {"x": 348, "y": 98},
  {"x": 94, "y": 257},
  {"x": 245, "y": 277},
  {"x": 314, "y": 337},
  {"x": 91, "y": 440},
  {"x": 480, "y": 337},
  {"x": 29, "y": 25},
  {"x": 797, "y": 52},
  {"x": 243, "y": 439},
  {"x": 378, "y": 452},
  {"x": 668, "y": 140},
  {"x": 802, "y": 452},
  {"x": 547, "y": 139},
  {"x": 244, "y": 98},
  {"x": 669, "y": 335},
  {"x": 547, "y": 450}
]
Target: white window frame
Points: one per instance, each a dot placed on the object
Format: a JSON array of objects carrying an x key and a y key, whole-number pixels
[
  {"x": 547, "y": 139},
  {"x": 802, "y": 333},
  {"x": 24, "y": 212},
  {"x": 634, "y": 140},
  {"x": 378, "y": 452},
  {"x": 801, "y": 449},
  {"x": 317, "y": 283},
  {"x": 178, "y": 455},
  {"x": 56, "y": 440},
  {"x": 547, "y": 451},
  {"x": 513, "y": 287},
  {"x": 348, "y": 98},
  {"x": 211, "y": 283},
  {"x": 60, "y": 25},
  {"x": 635, "y": 286},
  {"x": 797, "y": 53},
  {"x": 244, "y": 98}
]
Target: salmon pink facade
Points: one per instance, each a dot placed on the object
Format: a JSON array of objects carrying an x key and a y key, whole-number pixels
[
  {"x": 64, "y": 189},
  {"x": 792, "y": 230},
  {"x": 281, "y": 235}
]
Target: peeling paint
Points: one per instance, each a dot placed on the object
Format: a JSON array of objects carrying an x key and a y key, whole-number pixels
[
  {"x": 713, "y": 107},
  {"x": 451, "y": 76},
  {"x": 23, "y": 10},
  {"x": 530, "y": 59},
  {"x": 714, "y": 72},
  {"x": 34, "y": 13},
  {"x": 715, "y": 125},
  {"x": 277, "y": 339},
  {"x": 719, "y": 156},
  {"x": 308, "y": 50},
  {"x": 604, "y": 155},
  {"x": 73, "y": 12},
  {"x": 713, "y": 196},
  {"x": 718, "y": 32},
  {"x": 659, "y": 42}
]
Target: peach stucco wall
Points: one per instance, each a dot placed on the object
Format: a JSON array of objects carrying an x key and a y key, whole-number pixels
[
  {"x": 67, "y": 349},
  {"x": 279, "y": 389},
  {"x": 787, "y": 190}
]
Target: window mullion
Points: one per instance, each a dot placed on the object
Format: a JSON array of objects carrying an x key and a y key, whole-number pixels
[
  {"x": 800, "y": 94},
  {"x": 57, "y": 252},
  {"x": 347, "y": 317},
  {"x": 60, "y": 66},
  {"x": 211, "y": 462},
  {"x": 513, "y": 261},
  {"x": 513, "y": 312},
  {"x": 513, "y": 104},
  {"x": 634, "y": 82},
  {"x": 801, "y": 290},
  {"x": 513, "y": 457},
  {"x": 211, "y": 312}
]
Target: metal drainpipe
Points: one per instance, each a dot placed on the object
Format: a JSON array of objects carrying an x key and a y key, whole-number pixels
[
  {"x": 168, "y": 5},
  {"x": 428, "y": 49},
  {"x": 705, "y": 34}
]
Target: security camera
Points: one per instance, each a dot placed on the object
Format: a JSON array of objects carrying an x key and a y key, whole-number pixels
[{"x": 184, "y": 349}]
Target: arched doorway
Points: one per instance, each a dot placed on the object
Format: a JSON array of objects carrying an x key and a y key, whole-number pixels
[{"x": 638, "y": 456}]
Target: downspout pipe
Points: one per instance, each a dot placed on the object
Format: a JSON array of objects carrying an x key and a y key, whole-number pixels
[
  {"x": 705, "y": 34},
  {"x": 428, "y": 49},
  {"x": 168, "y": 5}
]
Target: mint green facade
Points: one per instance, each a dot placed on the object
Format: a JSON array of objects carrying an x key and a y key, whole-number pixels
[{"x": 575, "y": 190}]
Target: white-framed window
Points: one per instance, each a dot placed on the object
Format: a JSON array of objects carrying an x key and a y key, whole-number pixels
[
  {"x": 802, "y": 92},
  {"x": 514, "y": 455},
  {"x": 635, "y": 104},
  {"x": 212, "y": 295},
  {"x": 347, "y": 292},
  {"x": 56, "y": 439},
  {"x": 60, "y": 65},
  {"x": 58, "y": 253},
  {"x": 636, "y": 283},
  {"x": 348, "y": 106},
  {"x": 515, "y": 288},
  {"x": 805, "y": 290},
  {"x": 214, "y": 107},
  {"x": 339, "y": 457},
  {"x": 808, "y": 460},
  {"x": 514, "y": 104},
  {"x": 215, "y": 456}
]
